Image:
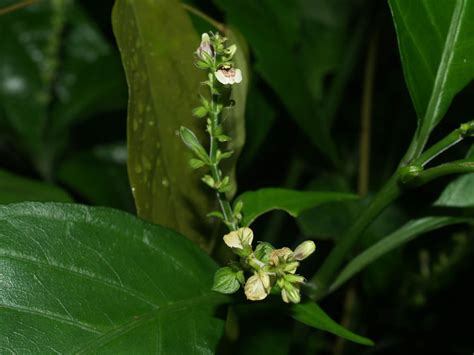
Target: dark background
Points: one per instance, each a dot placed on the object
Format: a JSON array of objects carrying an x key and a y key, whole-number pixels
[{"x": 402, "y": 308}]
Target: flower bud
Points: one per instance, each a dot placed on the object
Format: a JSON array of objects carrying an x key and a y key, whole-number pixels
[
  {"x": 290, "y": 293},
  {"x": 205, "y": 50},
  {"x": 291, "y": 267},
  {"x": 304, "y": 250},
  {"x": 257, "y": 286},
  {"x": 278, "y": 255},
  {"x": 230, "y": 51}
]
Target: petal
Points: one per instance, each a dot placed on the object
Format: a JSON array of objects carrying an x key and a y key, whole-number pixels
[
  {"x": 232, "y": 240},
  {"x": 255, "y": 289},
  {"x": 238, "y": 76},
  {"x": 246, "y": 235},
  {"x": 221, "y": 77}
]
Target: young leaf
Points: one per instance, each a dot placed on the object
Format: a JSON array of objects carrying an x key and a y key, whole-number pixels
[
  {"x": 157, "y": 42},
  {"x": 408, "y": 232},
  {"x": 435, "y": 42},
  {"x": 192, "y": 142},
  {"x": 256, "y": 203},
  {"x": 79, "y": 279},
  {"x": 311, "y": 314},
  {"x": 226, "y": 280},
  {"x": 15, "y": 188}
]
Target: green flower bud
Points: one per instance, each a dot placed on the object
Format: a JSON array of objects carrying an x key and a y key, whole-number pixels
[{"x": 290, "y": 293}]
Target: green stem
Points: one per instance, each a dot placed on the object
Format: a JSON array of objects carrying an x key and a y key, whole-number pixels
[
  {"x": 455, "y": 167},
  {"x": 216, "y": 173},
  {"x": 320, "y": 282},
  {"x": 447, "y": 142},
  {"x": 318, "y": 286}
]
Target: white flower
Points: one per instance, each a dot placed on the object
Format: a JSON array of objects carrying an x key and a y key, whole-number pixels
[
  {"x": 205, "y": 47},
  {"x": 257, "y": 286},
  {"x": 304, "y": 250},
  {"x": 239, "y": 239},
  {"x": 228, "y": 75}
]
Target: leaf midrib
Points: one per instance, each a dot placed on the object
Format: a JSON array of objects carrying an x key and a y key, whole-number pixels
[{"x": 142, "y": 320}]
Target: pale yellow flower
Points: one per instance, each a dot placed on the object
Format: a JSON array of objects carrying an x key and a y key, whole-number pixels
[
  {"x": 239, "y": 239},
  {"x": 257, "y": 286}
]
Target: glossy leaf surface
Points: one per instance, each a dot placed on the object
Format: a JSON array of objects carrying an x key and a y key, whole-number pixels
[
  {"x": 408, "y": 232},
  {"x": 79, "y": 279},
  {"x": 435, "y": 40},
  {"x": 294, "y": 202},
  {"x": 157, "y": 41},
  {"x": 311, "y": 314}
]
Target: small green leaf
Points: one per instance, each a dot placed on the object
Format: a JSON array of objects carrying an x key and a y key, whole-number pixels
[
  {"x": 14, "y": 188},
  {"x": 311, "y": 314},
  {"x": 408, "y": 232},
  {"x": 460, "y": 192},
  {"x": 226, "y": 280},
  {"x": 200, "y": 112},
  {"x": 216, "y": 214},
  {"x": 294, "y": 202},
  {"x": 196, "y": 163},
  {"x": 263, "y": 250},
  {"x": 79, "y": 279},
  {"x": 191, "y": 141}
]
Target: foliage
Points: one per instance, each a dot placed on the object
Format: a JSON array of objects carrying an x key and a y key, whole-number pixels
[{"x": 338, "y": 146}]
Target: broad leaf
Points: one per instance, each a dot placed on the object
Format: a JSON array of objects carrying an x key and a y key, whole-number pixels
[
  {"x": 163, "y": 81},
  {"x": 157, "y": 42},
  {"x": 14, "y": 188},
  {"x": 294, "y": 202},
  {"x": 408, "y": 232},
  {"x": 435, "y": 39},
  {"x": 311, "y": 314},
  {"x": 79, "y": 279}
]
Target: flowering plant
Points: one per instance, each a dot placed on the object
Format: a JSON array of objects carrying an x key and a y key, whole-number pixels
[{"x": 269, "y": 268}]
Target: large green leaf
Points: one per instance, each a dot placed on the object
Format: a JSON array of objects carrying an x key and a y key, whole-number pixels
[
  {"x": 157, "y": 41},
  {"x": 79, "y": 279},
  {"x": 408, "y": 232},
  {"x": 435, "y": 39},
  {"x": 14, "y": 188},
  {"x": 294, "y": 202},
  {"x": 311, "y": 314}
]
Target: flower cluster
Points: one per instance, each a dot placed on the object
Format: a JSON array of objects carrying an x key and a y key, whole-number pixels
[
  {"x": 212, "y": 54},
  {"x": 270, "y": 269}
]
